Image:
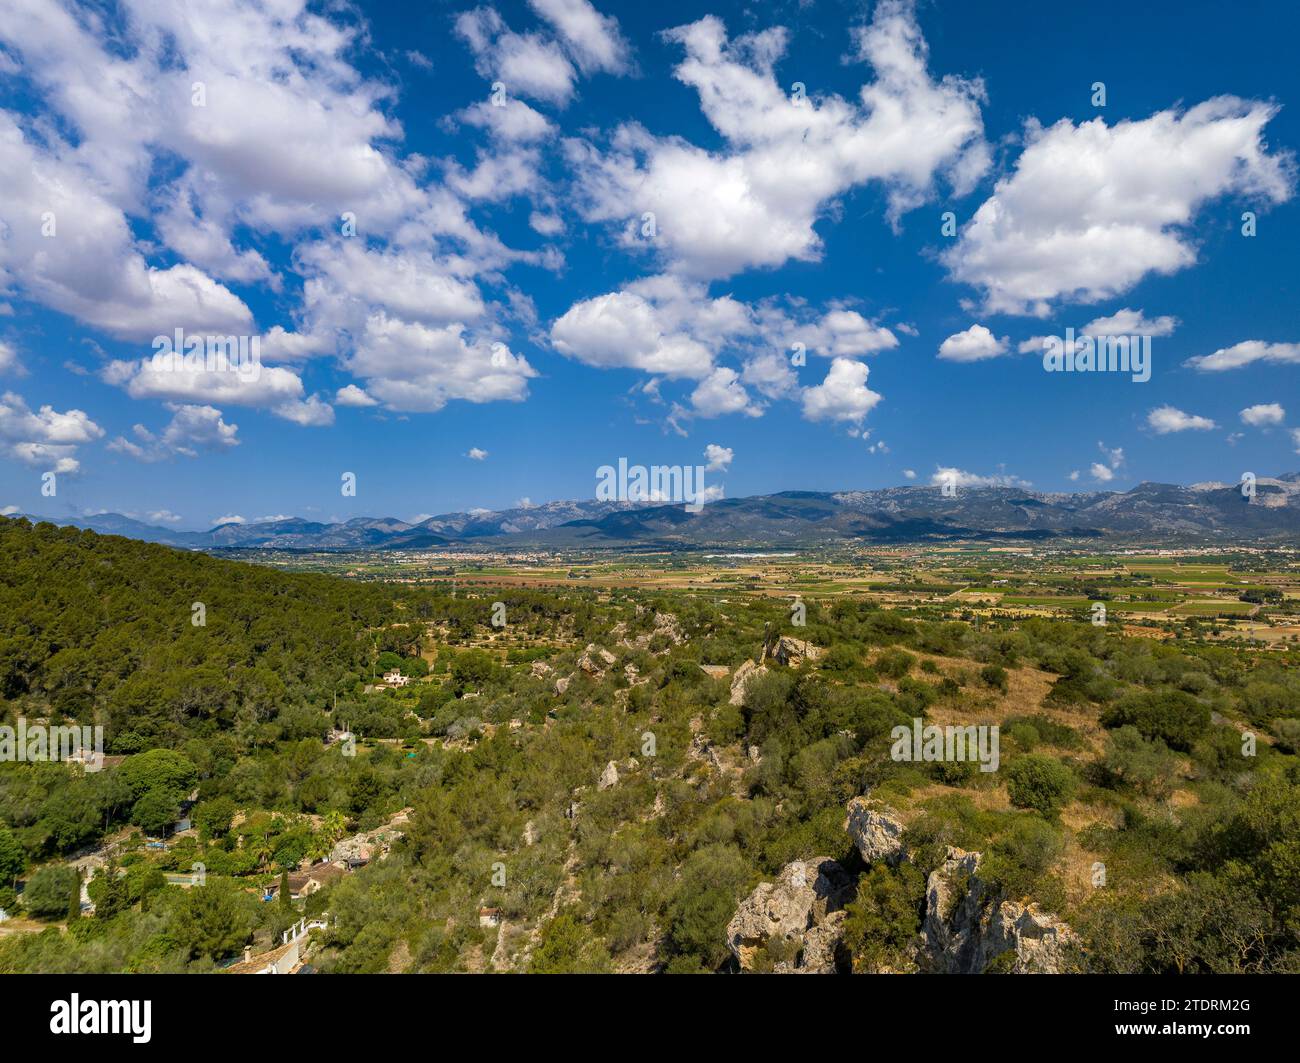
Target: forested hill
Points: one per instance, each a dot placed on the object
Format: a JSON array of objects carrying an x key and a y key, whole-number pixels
[{"x": 156, "y": 644}]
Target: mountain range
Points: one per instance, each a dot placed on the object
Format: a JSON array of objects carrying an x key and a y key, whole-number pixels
[{"x": 1150, "y": 512}]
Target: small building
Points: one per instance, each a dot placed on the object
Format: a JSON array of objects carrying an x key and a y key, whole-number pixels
[
  {"x": 489, "y": 917},
  {"x": 305, "y": 883},
  {"x": 396, "y": 679}
]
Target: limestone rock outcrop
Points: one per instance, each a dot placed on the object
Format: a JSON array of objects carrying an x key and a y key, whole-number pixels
[
  {"x": 799, "y": 918},
  {"x": 595, "y": 659},
  {"x": 608, "y": 777},
  {"x": 743, "y": 675},
  {"x": 968, "y": 929},
  {"x": 876, "y": 831},
  {"x": 793, "y": 652}
]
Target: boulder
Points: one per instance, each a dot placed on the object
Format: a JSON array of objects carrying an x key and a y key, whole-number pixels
[
  {"x": 876, "y": 830},
  {"x": 562, "y": 684},
  {"x": 608, "y": 777},
  {"x": 793, "y": 652},
  {"x": 595, "y": 660},
  {"x": 802, "y": 910},
  {"x": 540, "y": 670}
]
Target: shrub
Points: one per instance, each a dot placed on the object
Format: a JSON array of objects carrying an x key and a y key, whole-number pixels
[
  {"x": 1143, "y": 763},
  {"x": 995, "y": 676},
  {"x": 1041, "y": 783},
  {"x": 894, "y": 663},
  {"x": 50, "y": 891},
  {"x": 1171, "y": 715}
]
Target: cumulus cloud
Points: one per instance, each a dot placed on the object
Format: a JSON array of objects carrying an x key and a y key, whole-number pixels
[
  {"x": 670, "y": 327},
  {"x": 1077, "y": 220},
  {"x": 161, "y": 378},
  {"x": 526, "y": 63},
  {"x": 755, "y": 201},
  {"x": 44, "y": 439},
  {"x": 1128, "y": 322},
  {"x": 511, "y": 121},
  {"x": 591, "y": 38},
  {"x": 351, "y": 395},
  {"x": 477, "y": 454},
  {"x": 949, "y": 474},
  {"x": 174, "y": 114},
  {"x": 1166, "y": 419},
  {"x": 192, "y": 429},
  {"x": 1248, "y": 352},
  {"x": 413, "y": 367},
  {"x": 1263, "y": 415},
  {"x": 976, "y": 344},
  {"x": 721, "y": 392},
  {"x": 842, "y": 396},
  {"x": 719, "y": 457},
  {"x": 771, "y": 375},
  {"x": 1102, "y": 473}
]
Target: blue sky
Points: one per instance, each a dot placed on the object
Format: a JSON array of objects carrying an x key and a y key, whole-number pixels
[{"x": 502, "y": 321}]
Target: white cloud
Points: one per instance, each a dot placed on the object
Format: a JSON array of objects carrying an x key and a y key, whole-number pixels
[
  {"x": 592, "y": 39},
  {"x": 477, "y": 454},
  {"x": 45, "y": 439},
  {"x": 659, "y": 325},
  {"x": 1114, "y": 455},
  {"x": 771, "y": 375},
  {"x": 413, "y": 367},
  {"x": 525, "y": 63},
  {"x": 192, "y": 429},
  {"x": 1101, "y": 473},
  {"x": 1166, "y": 419},
  {"x": 1080, "y": 220},
  {"x": 233, "y": 518},
  {"x": 839, "y": 333},
  {"x": 1263, "y": 415},
  {"x": 8, "y": 357},
  {"x": 909, "y": 474},
  {"x": 1128, "y": 322},
  {"x": 513, "y": 121},
  {"x": 160, "y": 378},
  {"x": 1247, "y": 353},
  {"x": 754, "y": 203},
  {"x": 721, "y": 392},
  {"x": 351, "y": 395},
  {"x": 312, "y": 412},
  {"x": 976, "y": 344},
  {"x": 842, "y": 396},
  {"x": 961, "y": 478},
  {"x": 719, "y": 457}
]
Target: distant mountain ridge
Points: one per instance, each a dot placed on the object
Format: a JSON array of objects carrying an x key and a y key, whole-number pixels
[{"x": 1149, "y": 511}]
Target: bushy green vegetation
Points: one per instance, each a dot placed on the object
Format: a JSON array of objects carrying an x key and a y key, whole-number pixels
[{"x": 499, "y": 765}]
